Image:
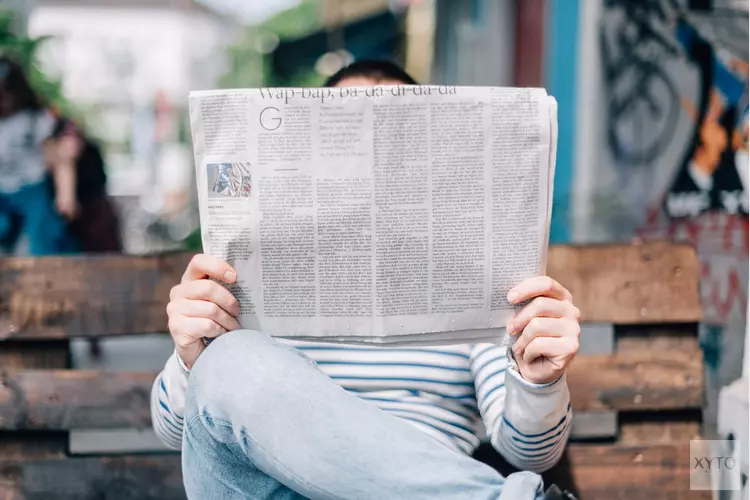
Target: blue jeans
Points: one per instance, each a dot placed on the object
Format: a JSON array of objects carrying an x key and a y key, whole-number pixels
[
  {"x": 262, "y": 422},
  {"x": 31, "y": 211}
]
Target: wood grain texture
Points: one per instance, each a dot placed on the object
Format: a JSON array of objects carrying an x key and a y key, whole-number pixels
[
  {"x": 60, "y": 297},
  {"x": 638, "y": 380},
  {"x": 637, "y": 472},
  {"x": 52, "y": 355},
  {"x": 32, "y": 445},
  {"x": 636, "y": 284},
  {"x": 111, "y": 478},
  {"x": 80, "y": 399},
  {"x": 616, "y": 471},
  {"x": 75, "y": 399},
  {"x": 652, "y": 431},
  {"x": 594, "y": 472}
]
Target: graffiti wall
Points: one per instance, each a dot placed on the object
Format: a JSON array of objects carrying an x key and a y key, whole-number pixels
[{"x": 674, "y": 147}]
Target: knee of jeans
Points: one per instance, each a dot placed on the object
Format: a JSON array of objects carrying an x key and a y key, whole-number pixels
[{"x": 232, "y": 370}]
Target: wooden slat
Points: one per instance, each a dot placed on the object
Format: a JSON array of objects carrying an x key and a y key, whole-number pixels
[
  {"x": 24, "y": 355},
  {"x": 49, "y": 355},
  {"x": 645, "y": 283},
  {"x": 75, "y": 399},
  {"x": 60, "y": 297},
  {"x": 113, "y": 478},
  {"x": 616, "y": 471},
  {"x": 32, "y": 445},
  {"x": 596, "y": 472},
  {"x": 659, "y": 431},
  {"x": 80, "y": 399},
  {"x": 622, "y": 472},
  {"x": 639, "y": 380}
]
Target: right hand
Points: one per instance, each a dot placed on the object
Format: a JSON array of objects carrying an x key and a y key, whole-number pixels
[
  {"x": 67, "y": 206},
  {"x": 200, "y": 308}
]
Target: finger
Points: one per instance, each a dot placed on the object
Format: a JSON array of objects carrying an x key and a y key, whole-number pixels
[
  {"x": 186, "y": 330},
  {"x": 558, "y": 350},
  {"x": 207, "y": 290},
  {"x": 206, "y": 266},
  {"x": 539, "y": 327},
  {"x": 541, "y": 307},
  {"x": 205, "y": 309},
  {"x": 538, "y": 286}
]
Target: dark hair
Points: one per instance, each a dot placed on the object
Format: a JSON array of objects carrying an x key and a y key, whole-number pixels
[
  {"x": 373, "y": 69},
  {"x": 13, "y": 81}
]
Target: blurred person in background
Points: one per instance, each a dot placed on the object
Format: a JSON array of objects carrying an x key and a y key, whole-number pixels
[
  {"x": 27, "y": 150},
  {"x": 94, "y": 221},
  {"x": 263, "y": 418}
]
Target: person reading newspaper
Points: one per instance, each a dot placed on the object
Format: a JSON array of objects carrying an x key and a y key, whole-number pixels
[{"x": 264, "y": 418}]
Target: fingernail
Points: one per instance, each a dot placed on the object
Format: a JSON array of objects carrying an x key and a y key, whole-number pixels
[
  {"x": 511, "y": 329},
  {"x": 230, "y": 276},
  {"x": 512, "y": 296}
]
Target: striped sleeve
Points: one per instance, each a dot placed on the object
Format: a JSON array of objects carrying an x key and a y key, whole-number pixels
[
  {"x": 168, "y": 403},
  {"x": 527, "y": 423}
]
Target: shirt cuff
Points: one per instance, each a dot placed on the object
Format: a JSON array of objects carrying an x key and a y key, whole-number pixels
[
  {"x": 181, "y": 363},
  {"x": 516, "y": 374}
]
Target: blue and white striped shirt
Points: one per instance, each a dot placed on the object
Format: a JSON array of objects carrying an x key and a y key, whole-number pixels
[{"x": 457, "y": 394}]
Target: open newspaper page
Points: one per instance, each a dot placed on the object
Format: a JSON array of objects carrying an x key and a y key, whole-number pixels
[{"x": 395, "y": 214}]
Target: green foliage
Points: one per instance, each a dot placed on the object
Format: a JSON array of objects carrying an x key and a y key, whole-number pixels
[
  {"x": 193, "y": 242},
  {"x": 24, "y": 51},
  {"x": 295, "y": 22},
  {"x": 251, "y": 68}
]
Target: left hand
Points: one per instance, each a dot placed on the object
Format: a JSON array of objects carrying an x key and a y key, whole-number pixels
[{"x": 547, "y": 329}]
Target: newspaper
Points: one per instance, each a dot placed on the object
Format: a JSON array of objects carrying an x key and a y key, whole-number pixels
[{"x": 378, "y": 215}]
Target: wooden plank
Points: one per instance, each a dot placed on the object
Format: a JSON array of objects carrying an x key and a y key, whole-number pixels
[
  {"x": 595, "y": 472},
  {"x": 653, "y": 431},
  {"x": 113, "y": 478},
  {"x": 32, "y": 445},
  {"x": 625, "y": 472},
  {"x": 60, "y": 297},
  {"x": 651, "y": 380},
  {"x": 23, "y": 355},
  {"x": 644, "y": 283},
  {"x": 75, "y": 399},
  {"x": 638, "y": 380},
  {"x": 38, "y": 355},
  {"x": 616, "y": 471}
]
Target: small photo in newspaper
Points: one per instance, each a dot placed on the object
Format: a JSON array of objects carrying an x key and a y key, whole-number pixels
[{"x": 229, "y": 180}]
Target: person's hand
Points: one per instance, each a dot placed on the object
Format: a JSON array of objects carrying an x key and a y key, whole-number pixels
[
  {"x": 67, "y": 206},
  {"x": 69, "y": 148},
  {"x": 200, "y": 308},
  {"x": 547, "y": 329}
]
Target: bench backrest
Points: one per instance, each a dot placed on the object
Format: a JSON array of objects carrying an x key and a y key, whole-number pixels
[{"x": 637, "y": 386}]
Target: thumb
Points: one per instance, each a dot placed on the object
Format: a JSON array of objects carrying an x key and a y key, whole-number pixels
[{"x": 539, "y": 347}]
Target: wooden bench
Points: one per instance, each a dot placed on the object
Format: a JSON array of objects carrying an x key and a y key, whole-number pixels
[{"x": 637, "y": 386}]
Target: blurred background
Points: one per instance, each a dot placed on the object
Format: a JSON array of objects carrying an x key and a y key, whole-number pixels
[{"x": 653, "y": 110}]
